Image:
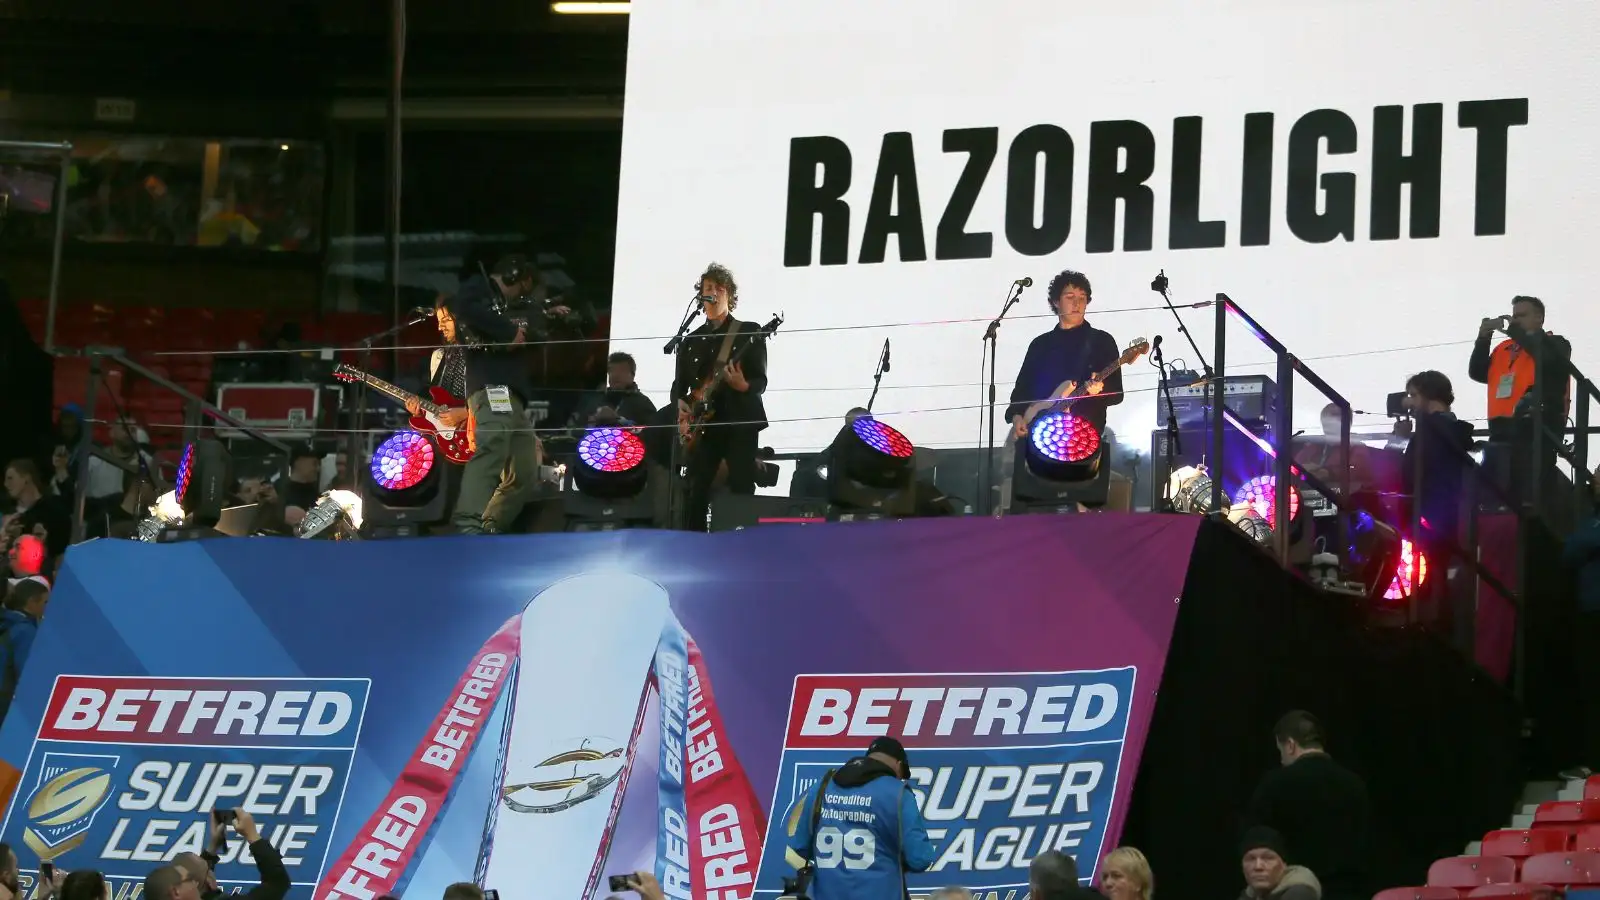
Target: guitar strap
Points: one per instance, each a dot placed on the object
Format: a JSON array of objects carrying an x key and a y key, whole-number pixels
[{"x": 727, "y": 344}]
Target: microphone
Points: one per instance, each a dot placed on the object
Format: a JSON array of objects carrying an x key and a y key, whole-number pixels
[
  {"x": 1159, "y": 284},
  {"x": 885, "y": 354},
  {"x": 1155, "y": 344},
  {"x": 1023, "y": 282},
  {"x": 424, "y": 311}
]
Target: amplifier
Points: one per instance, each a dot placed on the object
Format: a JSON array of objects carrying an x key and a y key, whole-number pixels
[{"x": 1251, "y": 397}]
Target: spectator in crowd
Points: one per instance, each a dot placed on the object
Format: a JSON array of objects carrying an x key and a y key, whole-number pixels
[
  {"x": 463, "y": 890},
  {"x": 37, "y": 511},
  {"x": 644, "y": 883},
  {"x": 303, "y": 486},
  {"x": 85, "y": 884},
  {"x": 19, "y": 625},
  {"x": 1125, "y": 875},
  {"x": 1053, "y": 875},
  {"x": 1267, "y": 873},
  {"x": 121, "y": 520},
  {"x": 69, "y": 433},
  {"x": 10, "y": 887},
  {"x": 200, "y": 870},
  {"x": 63, "y": 480},
  {"x": 342, "y": 479},
  {"x": 1582, "y": 552},
  {"x": 1318, "y": 806},
  {"x": 951, "y": 893},
  {"x": 171, "y": 883}
]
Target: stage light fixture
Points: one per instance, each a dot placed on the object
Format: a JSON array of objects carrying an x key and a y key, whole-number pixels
[
  {"x": 1258, "y": 494},
  {"x": 1410, "y": 572},
  {"x": 1189, "y": 489},
  {"x": 1253, "y": 524},
  {"x": 204, "y": 483},
  {"x": 1060, "y": 468},
  {"x": 336, "y": 517},
  {"x": 404, "y": 485},
  {"x": 166, "y": 512},
  {"x": 871, "y": 471},
  {"x": 610, "y": 475}
]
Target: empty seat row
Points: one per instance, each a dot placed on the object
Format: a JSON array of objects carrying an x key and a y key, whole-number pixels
[
  {"x": 1520, "y": 843},
  {"x": 1561, "y": 869}
]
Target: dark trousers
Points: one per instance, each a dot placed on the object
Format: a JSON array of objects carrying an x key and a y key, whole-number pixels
[
  {"x": 732, "y": 444},
  {"x": 503, "y": 474}
]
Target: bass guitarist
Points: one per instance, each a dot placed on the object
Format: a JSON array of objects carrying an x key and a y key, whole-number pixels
[
  {"x": 740, "y": 415},
  {"x": 1072, "y": 351}
]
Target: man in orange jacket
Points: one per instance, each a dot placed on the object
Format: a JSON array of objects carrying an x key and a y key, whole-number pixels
[{"x": 1529, "y": 354}]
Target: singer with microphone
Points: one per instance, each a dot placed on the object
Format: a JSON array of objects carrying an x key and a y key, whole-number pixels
[
  {"x": 721, "y": 343},
  {"x": 1072, "y": 351}
]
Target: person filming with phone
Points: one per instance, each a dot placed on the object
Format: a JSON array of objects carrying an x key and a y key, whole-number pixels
[
  {"x": 200, "y": 869},
  {"x": 861, "y": 830},
  {"x": 1529, "y": 355}
]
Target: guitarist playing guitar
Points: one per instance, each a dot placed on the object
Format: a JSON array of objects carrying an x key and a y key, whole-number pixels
[
  {"x": 736, "y": 348},
  {"x": 1073, "y": 351}
]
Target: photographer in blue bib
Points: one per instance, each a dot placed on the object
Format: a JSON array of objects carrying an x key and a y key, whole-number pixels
[
  {"x": 503, "y": 474},
  {"x": 856, "y": 834}
]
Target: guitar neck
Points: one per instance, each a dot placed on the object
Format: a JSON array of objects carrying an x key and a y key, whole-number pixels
[{"x": 403, "y": 396}]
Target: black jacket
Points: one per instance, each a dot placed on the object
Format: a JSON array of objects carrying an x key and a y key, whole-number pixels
[
  {"x": 474, "y": 312},
  {"x": 274, "y": 877},
  {"x": 697, "y": 360},
  {"x": 1322, "y": 810},
  {"x": 631, "y": 405},
  {"x": 1068, "y": 354},
  {"x": 1438, "y": 447}
]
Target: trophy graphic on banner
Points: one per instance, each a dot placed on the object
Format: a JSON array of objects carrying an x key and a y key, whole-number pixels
[{"x": 71, "y": 790}]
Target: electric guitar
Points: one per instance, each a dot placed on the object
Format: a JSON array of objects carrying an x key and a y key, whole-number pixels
[
  {"x": 700, "y": 408},
  {"x": 455, "y": 443},
  {"x": 1060, "y": 399}
]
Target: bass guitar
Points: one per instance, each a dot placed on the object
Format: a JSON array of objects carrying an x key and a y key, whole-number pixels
[
  {"x": 700, "y": 407},
  {"x": 1060, "y": 399},
  {"x": 455, "y": 443}
]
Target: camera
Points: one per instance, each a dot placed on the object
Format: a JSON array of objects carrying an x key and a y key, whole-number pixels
[
  {"x": 1397, "y": 405},
  {"x": 795, "y": 888}
]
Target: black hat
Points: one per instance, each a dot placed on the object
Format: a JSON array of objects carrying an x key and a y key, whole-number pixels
[
  {"x": 891, "y": 748},
  {"x": 1261, "y": 837}
]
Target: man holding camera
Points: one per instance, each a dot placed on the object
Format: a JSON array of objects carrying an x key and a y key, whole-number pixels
[
  {"x": 861, "y": 829},
  {"x": 1529, "y": 355},
  {"x": 197, "y": 869}
]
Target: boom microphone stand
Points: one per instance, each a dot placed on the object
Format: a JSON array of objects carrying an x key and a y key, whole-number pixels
[
  {"x": 675, "y": 454},
  {"x": 1159, "y": 285},
  {"x": 877, "y": 377},
  {"x": 991, "y": 340},
  {"x": 1174, "y": 439}
]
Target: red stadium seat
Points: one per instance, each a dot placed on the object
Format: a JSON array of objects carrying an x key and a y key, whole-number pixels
[
  {"x": 1426, "y": 892},
  {"x": 1591, "y": 788},
  {"x": 1472, "y": 871},
  {"x": 1586, "y": 839},
  {"x": 1562, "y": 869},
  {"x": 1513, "y": 891},
  {"x": 1567, "y": 811},
  {"x": 1520, "y": 843}
]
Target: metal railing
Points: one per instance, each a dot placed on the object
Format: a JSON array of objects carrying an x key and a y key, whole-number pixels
[
  {"x": 1279, "y": 447},
  {"x": 64, "y": 150},
  {"x": 198, "y": 414}
]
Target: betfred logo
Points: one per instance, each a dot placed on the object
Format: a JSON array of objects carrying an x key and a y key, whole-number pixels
[
  {"x": 229, "y": 712},
  {"x": 960, "y": 710}
]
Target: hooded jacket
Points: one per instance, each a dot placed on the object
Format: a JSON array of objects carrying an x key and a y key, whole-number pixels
[
  {"x": 1298, "y": 884},
  {"x": 870, "y": 832},
  {"x": 1441, "y": 441}
]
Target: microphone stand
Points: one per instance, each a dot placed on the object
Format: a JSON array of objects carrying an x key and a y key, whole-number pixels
[
  {"x": 358, "y": 411},
  {"x": 675, "y": 460},
  {"x": 1174, "y": 439},
  {"x": 877, "y": 377},
  {"x": 991, "y": 340},
  {"x": 1159, "y": 285}
]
